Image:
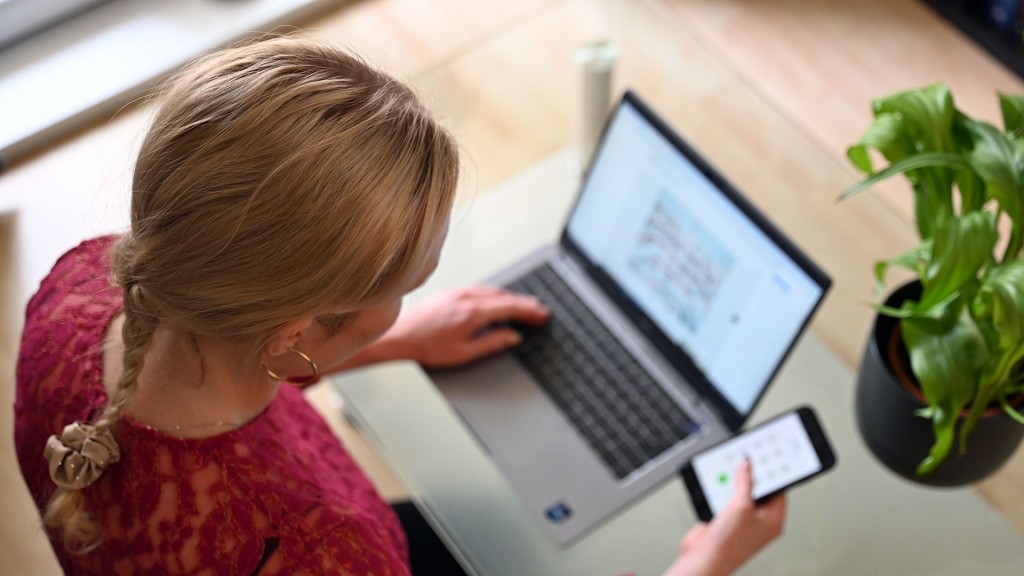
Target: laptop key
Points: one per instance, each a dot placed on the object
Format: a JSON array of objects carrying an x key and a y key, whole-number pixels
[{"x": 625, "y": 416}]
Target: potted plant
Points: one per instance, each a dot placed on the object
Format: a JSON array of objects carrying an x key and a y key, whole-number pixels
[{"x": 960, "y": 326}]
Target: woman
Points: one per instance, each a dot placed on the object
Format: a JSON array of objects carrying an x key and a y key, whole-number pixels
[{"x": 284, "y": 200}]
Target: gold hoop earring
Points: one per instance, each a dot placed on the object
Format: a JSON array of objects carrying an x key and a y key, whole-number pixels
[{"x": 295, "y": 381}]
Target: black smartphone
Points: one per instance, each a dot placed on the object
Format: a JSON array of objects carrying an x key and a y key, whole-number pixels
[{"x": 784, "y": 451}]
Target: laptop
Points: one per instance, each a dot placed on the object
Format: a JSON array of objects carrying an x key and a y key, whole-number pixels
[{"x": 674, "y": 303}]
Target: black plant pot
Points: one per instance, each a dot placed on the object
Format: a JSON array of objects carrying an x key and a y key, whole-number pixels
[{"x": 900, "y": 439}]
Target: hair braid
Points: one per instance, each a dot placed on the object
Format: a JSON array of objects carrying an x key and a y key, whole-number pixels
[{"x": 66, "y": 510}]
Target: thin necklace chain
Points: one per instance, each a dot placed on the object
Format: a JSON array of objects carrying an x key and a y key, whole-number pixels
[{"x": 180, "y": 427}]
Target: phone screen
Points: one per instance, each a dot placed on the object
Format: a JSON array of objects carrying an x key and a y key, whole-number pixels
[{"x": 780, "y": 452}]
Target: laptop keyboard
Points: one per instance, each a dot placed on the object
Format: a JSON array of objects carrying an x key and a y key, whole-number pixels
[{"x": 625, "y": 416}]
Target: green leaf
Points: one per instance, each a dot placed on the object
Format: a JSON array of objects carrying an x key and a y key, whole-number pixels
[
  {"x": 998, "y": 309},
  {"x": 1012, "y": 107},
  {"x": 946, "y": 354},
  {"x": 944, "y": 348},
  {"x": 1004, "y": 285},
  {"x": 929, "y": 122},
  {"x": 913, "y": 260},
  {"x": 904, "y": 312},
  {"x": 1013, "y": 413},
  {"x": 972, "y": 191},
  {"x": 881, "y": 267},
  {"x": 908, "y": 124},
  {"x": 861, "y": 158},
  {"x": 999, "y": 162},
  {"x": 961, "y": 249},
  {"x": 943, "y": 426},
  {"x": 925, "y": 160},
  {"x": 886, "y": 135},
  {"x": 927, "y": 116},
  {"x": 1013, "y": 247}
]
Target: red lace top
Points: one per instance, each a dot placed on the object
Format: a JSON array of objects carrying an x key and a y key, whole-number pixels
[{"x": 277, "y": 496}]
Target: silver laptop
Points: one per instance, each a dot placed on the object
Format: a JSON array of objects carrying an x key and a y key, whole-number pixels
[{"x": 674, "y": 303}]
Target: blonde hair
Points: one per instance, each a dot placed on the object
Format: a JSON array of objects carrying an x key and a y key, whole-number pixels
[{"x": 278, "y": 180}]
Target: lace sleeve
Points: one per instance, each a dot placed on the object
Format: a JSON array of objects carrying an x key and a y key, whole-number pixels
[
  {"x": 351, "y": 545},
  {"x": 59, "y": 371}
]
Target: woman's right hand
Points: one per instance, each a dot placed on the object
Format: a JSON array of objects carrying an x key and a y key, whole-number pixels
[{"x": 735, "y": 534}]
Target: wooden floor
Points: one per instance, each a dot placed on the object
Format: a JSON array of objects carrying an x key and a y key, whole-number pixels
[{"x": 817, "y": 62}]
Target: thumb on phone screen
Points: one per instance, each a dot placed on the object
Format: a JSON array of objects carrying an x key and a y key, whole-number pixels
[
  {"x": 744, "y": 480},
  {"x": 739, "y": 532}
]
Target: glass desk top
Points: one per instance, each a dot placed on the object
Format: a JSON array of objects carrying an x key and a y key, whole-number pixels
[{"x": 857, "y": 519}]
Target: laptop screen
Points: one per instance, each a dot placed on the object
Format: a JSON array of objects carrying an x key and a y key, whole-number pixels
[{"x": 718, "y": 282}]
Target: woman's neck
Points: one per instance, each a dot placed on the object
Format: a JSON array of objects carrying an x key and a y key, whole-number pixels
[{"x": 188, "y": 390}]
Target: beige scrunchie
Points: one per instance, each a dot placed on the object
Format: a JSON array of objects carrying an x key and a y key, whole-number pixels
[{"x": 79, "y": 457}]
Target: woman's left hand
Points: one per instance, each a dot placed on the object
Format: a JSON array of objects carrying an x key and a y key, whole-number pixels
[
  {"x": 462, "y": 325},
  {"x": 736, "y": 534}
]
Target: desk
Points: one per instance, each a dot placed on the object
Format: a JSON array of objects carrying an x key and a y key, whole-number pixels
[{"x": 858, "y": 519}]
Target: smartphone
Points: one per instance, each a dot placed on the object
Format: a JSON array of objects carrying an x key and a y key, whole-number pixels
[{"x": 784, "y": 451}]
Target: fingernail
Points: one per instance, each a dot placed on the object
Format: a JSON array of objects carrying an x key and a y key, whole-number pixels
[{"x": 514, "y": 339}]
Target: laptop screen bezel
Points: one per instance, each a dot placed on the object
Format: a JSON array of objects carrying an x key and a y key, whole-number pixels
[{"x": 677, "y": 356}]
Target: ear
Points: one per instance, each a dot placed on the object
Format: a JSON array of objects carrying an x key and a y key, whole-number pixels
[{"x": 287, "y": 336}]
